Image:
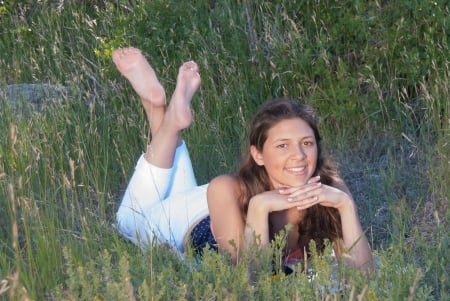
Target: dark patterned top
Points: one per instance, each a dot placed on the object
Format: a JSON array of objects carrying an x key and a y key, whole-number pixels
[{"x": 201, "y": 236}]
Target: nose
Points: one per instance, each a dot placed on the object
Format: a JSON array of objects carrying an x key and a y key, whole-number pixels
[{"x": 299, "y": 152}]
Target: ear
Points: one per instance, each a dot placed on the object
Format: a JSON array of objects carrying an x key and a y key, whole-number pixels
[{"x": 256, "y": 155}]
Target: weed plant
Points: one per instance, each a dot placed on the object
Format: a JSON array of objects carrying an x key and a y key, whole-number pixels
[{"x": 377, "y": 72}]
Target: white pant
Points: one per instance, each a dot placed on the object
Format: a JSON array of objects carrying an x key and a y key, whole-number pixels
[{"x": 162, "y": 204}]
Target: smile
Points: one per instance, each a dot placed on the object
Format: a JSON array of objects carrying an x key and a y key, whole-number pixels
[{"x": 296, "y": 169}]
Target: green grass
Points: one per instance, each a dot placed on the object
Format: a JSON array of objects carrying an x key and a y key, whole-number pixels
[{"x": 378, "y": 73}]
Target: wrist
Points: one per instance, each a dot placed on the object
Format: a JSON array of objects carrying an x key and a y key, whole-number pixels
[
  {"x": 348, "y": 206},
  {"x": 257, "y": 206}
]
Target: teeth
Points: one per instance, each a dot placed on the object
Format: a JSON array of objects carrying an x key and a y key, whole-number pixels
[{"x": 296, "y": 169}]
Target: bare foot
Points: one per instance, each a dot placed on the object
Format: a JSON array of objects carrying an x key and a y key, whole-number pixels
[
  {"x": 135, "y": 67},
  {"x": 188, "y": 81}
]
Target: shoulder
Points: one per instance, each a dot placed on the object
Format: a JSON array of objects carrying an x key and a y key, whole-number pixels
[
  {"x": 224, "y": 182},
  {"x": 224, "y": 187}
]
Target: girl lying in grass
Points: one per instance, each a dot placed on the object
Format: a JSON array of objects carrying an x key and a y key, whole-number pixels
[{"x": 284, "y": 179}]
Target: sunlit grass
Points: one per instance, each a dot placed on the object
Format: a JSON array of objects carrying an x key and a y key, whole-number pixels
[{"x": 378, "y": 76}]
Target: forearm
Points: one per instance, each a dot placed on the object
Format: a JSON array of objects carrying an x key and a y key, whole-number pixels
[
  {"x": 256, "y": 235},
  {"x": 256, "y": 227},
  {"x": 354, "y": 239}
]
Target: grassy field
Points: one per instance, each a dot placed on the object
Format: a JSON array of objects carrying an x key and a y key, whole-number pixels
[{"x": 377, "y": 72}]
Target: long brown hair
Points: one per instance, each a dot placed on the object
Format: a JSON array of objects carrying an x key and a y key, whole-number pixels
[{"x": 319, "y": 222}]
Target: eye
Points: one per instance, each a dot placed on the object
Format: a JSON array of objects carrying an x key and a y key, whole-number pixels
[
  {"x": 308, "y": 143},
  {"x": 282, "y": 145}
]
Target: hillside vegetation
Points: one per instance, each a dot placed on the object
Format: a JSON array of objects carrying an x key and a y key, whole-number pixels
[{"x": 376, "y": 71}]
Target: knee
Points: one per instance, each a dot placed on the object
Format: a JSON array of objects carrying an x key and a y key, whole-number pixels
[{"x": 131, "y": 226}]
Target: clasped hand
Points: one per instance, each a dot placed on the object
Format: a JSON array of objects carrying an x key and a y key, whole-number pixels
[{"x": 302, "y": 197}]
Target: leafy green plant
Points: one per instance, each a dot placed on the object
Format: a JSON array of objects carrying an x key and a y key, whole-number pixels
[{"x": 377, "y": 72}]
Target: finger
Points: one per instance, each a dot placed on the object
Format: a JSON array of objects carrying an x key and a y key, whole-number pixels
[
  {"x": 305, "y": 192},
  {"x": 305, "y": 204},
  {"x": 298, "y": 190},
  {"x": 314, "y": 180},
  {"x": 287, "y": 190}
]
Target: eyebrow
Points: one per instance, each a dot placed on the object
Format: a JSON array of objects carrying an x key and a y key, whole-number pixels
[{"x": 287, "y": 139}]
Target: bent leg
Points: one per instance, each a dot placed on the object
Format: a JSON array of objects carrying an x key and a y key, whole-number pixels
[
  {"x": 183, "y": 172},
  {"x": 168, "y": 221},
  {"x": 164, "y": 169},
  {"x": 134, "y": 66},
  {"x": 178, "y": 116},
  {"x": 165, "y": 126},
  {"x": 157, "y": 202}
]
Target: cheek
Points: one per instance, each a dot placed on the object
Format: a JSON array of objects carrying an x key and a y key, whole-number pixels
[
  {"x": 273, "y": 163},
  {"x": 314, "y": 156}
]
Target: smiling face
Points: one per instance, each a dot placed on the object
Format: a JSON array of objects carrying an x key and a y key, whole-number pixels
[{"x": 289, "y": 154}]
